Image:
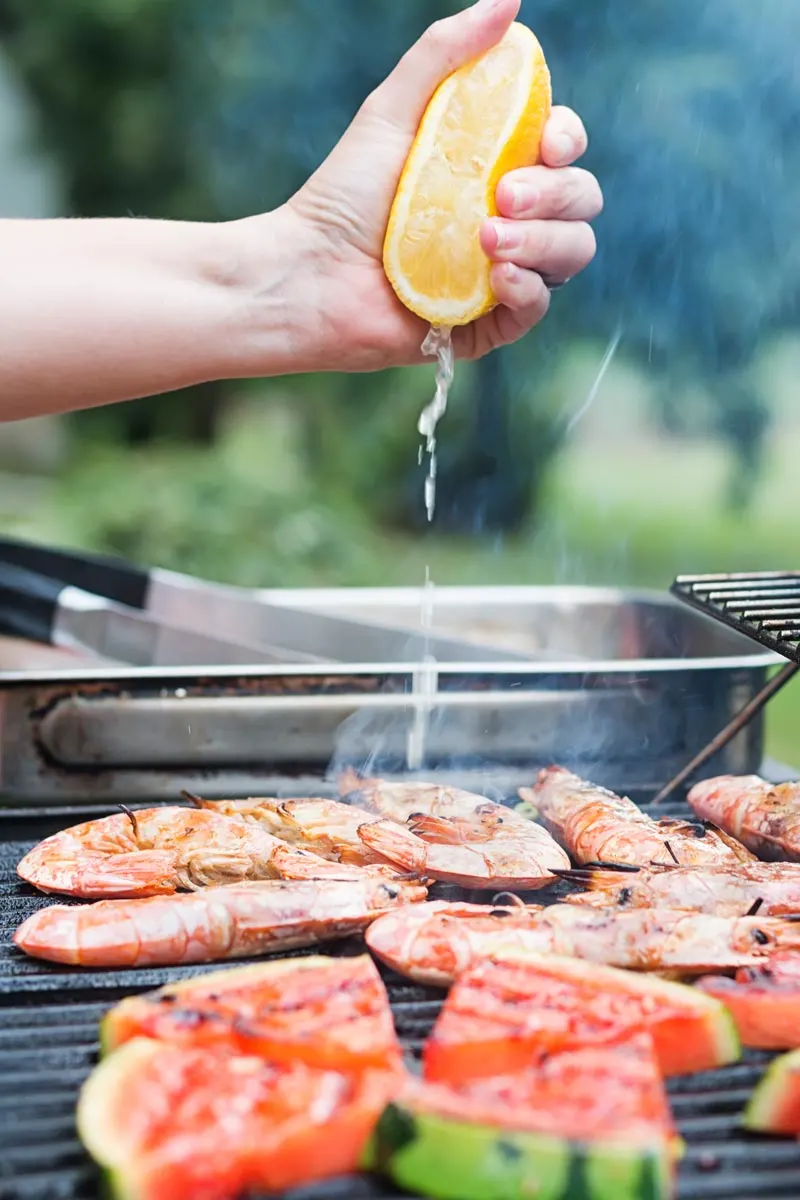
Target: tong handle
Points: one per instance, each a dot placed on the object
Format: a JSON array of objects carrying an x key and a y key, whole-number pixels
[
  {"x": 106, "y": 576},
  {"x": 28, "y": 604}
]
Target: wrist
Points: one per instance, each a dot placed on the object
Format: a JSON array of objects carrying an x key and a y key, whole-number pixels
[{"x": 269, "y": 264}]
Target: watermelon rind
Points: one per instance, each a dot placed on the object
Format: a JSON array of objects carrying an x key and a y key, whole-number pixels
[
  {"x": 101, "y": 1097},
  {"x": 723, "y": 1044},
  {"x": 779, "y": 1083},
  {"x": 449, "y": 1159}
]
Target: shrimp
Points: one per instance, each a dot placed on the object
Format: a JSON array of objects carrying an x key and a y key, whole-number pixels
[
  {"x": 162, "y": 850},
  {"x": 434, "y": 942},
  {"x": 398, "y": 801},
  {"x": 327, "y": 827},
  {"x": 596, "y": 825},
  {"x": 237, "y": 921},
  {"x": 735, "y": 891},
  {"x": 762, "y": 815},
  {"x": 494, "y": 849}
]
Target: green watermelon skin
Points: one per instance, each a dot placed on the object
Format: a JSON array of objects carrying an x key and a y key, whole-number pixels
[
  {"x": 447, "y": 1159},
  {"x": 774, "y": 1106}
]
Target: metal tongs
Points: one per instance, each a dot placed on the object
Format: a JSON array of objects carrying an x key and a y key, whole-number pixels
[{"x": 160, "y": 618}]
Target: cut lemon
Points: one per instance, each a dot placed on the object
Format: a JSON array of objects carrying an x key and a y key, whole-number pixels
[{"x": 486, "y": 119}]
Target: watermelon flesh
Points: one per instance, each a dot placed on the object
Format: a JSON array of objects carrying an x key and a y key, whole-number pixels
[
  {"x": 503, "y": 1014},
  {"x": 774, "y": 1106},
  {"x": 326, "y": 1012},
  {"x": 767, "y": 1016},
  {"x": 593, "y": 1123},
  {"x": 170, "y": 1121}
]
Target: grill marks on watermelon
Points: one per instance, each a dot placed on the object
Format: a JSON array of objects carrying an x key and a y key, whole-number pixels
[
  {"x": 325, "y": 1012},
  {"x": 502, "y": 1015}
]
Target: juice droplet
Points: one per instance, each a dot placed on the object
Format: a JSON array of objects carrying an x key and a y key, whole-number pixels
[{"x": 439, "y": 345}]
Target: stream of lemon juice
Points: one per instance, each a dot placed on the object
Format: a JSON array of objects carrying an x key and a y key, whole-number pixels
[{"x": 439, "y": 345}]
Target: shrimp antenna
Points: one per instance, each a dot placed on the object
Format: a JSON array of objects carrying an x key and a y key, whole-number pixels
[
  {"x": 197, "y": 801},
  {"x": 131, "y": 817},
  {"x": 672, "y": 853},
  {"x": 755, "y": 906},
  {"x": 511, "y": 901},
  {"x": 626, "y": 868}
]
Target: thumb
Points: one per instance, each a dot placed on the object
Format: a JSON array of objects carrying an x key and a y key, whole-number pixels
[{"x": 443, "y": 48}]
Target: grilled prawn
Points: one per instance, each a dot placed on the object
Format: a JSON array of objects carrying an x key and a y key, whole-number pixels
[
  {"x": 762, "y": 815},
  {"x": 399, "y": 801},
  {"x": 217, "y": 923},
  {"x": 162, "y": 850},
  {"x": 326, "y": 827},
  {"x": 732, "y": 891},
  {"x": 494, "y": 848},
  {"x": 596, "y": 825},
  {"x": 435, "y": 942}
]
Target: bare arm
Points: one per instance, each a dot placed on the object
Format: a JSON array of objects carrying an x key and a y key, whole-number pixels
[
  {"x": 101, "y": 310},
  {"x": 95, "y": 311}
]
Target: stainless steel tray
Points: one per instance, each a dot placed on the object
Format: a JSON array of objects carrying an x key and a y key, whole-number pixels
[{"x": 622, "y": 686}]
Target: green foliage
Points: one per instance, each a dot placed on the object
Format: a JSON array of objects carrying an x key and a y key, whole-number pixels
[
  {"x": 105, "y": 78},
  {"x": 244, "y": 511},
  {"x": 202, "y": 109}
]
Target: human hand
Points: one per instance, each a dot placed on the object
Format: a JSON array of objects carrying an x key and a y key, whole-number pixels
[{"x": 336, "y": 223}]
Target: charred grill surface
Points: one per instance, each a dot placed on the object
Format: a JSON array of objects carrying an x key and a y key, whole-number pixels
[{"x": 48, "y": 1043}]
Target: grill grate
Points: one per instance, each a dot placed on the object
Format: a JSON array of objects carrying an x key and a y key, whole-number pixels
[
  {"x": 764, "y": 606},
  {"x": 48, "y": 1043}
]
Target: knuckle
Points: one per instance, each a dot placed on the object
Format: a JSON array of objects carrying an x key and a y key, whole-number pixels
[
  {"x": 435, "y": 36},
  {"x": 568, "y": 192}
]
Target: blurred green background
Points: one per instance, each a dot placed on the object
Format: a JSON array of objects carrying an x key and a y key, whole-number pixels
[{"x": 649, "y": 427}]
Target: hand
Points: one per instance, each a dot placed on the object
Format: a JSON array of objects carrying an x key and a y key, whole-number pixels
[{"x": 338, "y": 219}]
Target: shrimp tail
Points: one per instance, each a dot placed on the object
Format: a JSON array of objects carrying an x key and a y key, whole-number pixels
[
  {"x": 397, "y": 845},
  {"x": 441, "y": 830},
  {"x": 593, "y": 879},
  {"x": 98, "y": 876}
]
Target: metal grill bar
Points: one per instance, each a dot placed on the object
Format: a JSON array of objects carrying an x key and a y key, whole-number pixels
[
  {"x": 48, "y": 1044},
  {"x": 764, "y": 606}
]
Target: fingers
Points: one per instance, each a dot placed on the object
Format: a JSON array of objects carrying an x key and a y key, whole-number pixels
[
  {"x": 564, "y": 139},
  {"x": 525, "y": 303},
  {"x": 445, "y": 46},
  {"x": 556, "y": 249},
  {"x": 565, "y": 194},
  {"x": 519, "y": 290}
]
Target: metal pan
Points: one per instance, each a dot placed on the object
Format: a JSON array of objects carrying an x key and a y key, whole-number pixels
[{"x": 629, "y": 687}]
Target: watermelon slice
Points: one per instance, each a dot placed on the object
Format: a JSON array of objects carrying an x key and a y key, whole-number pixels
[
  {"x": 326, "y": 1012},
  {"x": 167, "y": 1120},
  {"x": 593, "y": 1123},
  {"x": 763, "y": 1001},
  {"x": 502, "y": 1014},
  {"x": 774, "y": 1106}
]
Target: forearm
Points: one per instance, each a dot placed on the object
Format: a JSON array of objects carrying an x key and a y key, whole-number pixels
[{"x": 95, "y": 311}]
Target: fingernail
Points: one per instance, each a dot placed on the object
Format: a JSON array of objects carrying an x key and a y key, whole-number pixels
[
  {"x": 564, "y": 146},
  {"x": 520, "y": 197},
  {"x": 506, "y": 235},
  {"x": 511, "y": 273}
]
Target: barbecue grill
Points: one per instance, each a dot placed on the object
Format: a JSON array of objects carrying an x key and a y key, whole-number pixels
[
  {"x": 622, "y": 687},
  {"x": 48, "y": 1042}
]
